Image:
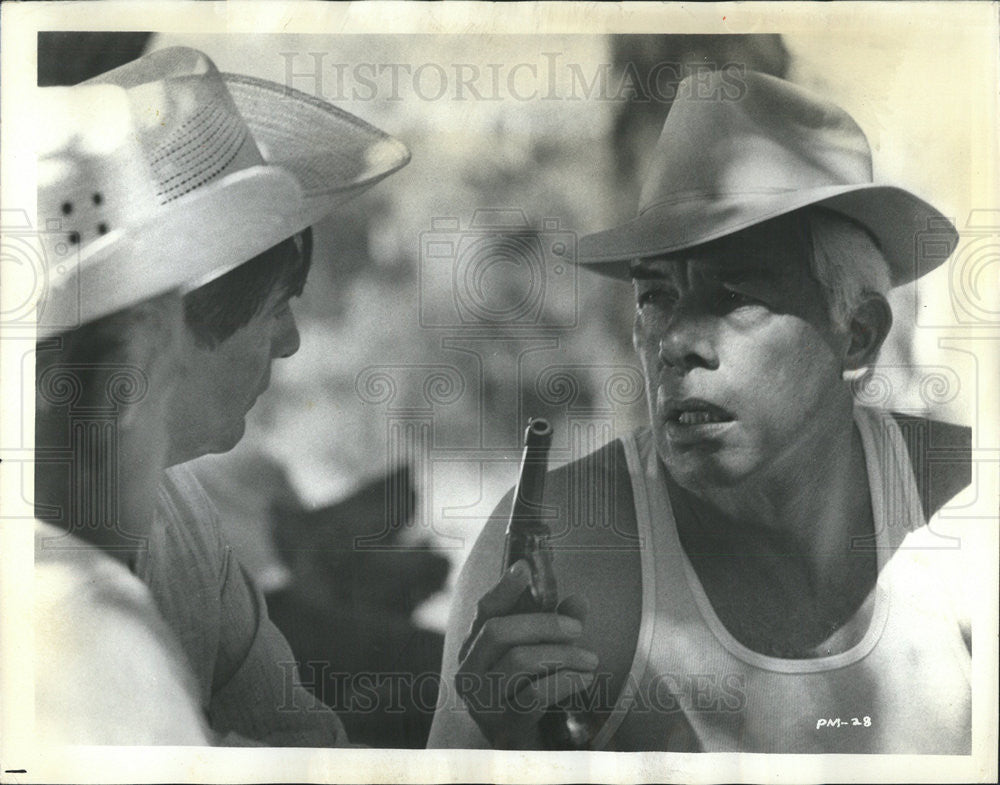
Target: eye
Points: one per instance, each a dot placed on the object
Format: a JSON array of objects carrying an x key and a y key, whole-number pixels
[
  {"x": 655, "y": 297},
  {"x": 732, "y": 298}
]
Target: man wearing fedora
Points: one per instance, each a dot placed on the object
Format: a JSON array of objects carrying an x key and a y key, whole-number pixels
[
  {"x": 236, "y": 170},
  {"x": 759, "y": 575}
]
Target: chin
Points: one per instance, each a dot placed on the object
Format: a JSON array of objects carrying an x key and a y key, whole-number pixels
[
  {"x": 231, "y": 438},
  {"x": 700, "y": 475},
  {"x": 696, "y": 467},
  {"x": 220, "y": 442}
]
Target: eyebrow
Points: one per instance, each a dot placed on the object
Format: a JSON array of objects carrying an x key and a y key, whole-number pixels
[
  {"x": 644, "y": 273},
  {"x": 741, "y": 274}
]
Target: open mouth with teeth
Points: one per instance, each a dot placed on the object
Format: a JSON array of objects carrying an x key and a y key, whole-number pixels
[
  {"x": 698, "y": 413},
  {"x": 699, "y": 418}
]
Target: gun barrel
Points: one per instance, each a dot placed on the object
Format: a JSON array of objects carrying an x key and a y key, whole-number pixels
[
  {"x": 526, "y": 511},
  {"x": 527, "y": 533}
]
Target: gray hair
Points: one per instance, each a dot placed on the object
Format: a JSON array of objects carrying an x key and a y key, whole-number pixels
[{"x": 846, "y": 261}]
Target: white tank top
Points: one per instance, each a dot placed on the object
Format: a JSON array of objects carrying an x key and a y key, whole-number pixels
[{"x": 903, "y": 688}]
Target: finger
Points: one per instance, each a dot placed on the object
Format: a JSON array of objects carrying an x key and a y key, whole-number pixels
[
  {"x": 504, "y": 595},
  {"x": 524, "y": 664},
  {"x": 536, "y": 697},
  {"x": 498, "y": 600},
  {"x": 575, "y": 605},
  {"x": 500, "y": 634}
]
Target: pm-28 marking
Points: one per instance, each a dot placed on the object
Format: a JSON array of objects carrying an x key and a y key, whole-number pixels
[{"x": 837, "y": 722}]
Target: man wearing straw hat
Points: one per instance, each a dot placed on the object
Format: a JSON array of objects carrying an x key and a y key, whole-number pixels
[
  {"x": 758, "y": 574},
  {"x": 235, "y": 170},
  {"x": 107, "y": 668}
]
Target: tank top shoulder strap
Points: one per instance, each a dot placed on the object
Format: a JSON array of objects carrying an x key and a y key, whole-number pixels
[{"x": 638, "y": 447}]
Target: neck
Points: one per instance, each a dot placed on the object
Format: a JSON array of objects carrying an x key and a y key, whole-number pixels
[{"x": 809, "y": 505}]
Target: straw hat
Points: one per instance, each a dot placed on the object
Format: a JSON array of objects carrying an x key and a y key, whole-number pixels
[
  {"x": 728, "y": 159},
  {"x": 165, "y": 173}
]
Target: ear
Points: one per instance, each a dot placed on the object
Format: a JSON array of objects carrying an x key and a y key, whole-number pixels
[
  {"x": 867, "y": 330},
  {"x": 151, "y": 335}
]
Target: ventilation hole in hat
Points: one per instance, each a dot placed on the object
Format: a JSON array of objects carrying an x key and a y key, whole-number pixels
[
  {"x": 74, "y": 238},
  {"x": 102, "y": 228},
  {"x": 67, "y": 208},
  {"x": 98, "y": 198}
]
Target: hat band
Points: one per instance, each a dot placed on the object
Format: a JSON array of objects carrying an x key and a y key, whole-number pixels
[{"x": 718, "y": 196}]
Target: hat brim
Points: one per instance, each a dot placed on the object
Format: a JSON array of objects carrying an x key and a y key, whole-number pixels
[
  {"x": 333, "y": 155},
  {"x": 317, "y": 157},
  {"x": 914, "y": 237}
]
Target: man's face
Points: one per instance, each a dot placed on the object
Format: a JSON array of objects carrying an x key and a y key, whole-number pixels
[
  {"x": 218, "y": 386},
  {"x": 742, "y": 365}
]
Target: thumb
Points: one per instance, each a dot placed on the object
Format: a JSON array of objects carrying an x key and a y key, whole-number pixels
[{"x": 503, "y": 597}]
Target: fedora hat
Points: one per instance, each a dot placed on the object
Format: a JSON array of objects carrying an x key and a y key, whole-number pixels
[
  {"x": 729, "y": 158},
  {"x": 165, "y": 173}
]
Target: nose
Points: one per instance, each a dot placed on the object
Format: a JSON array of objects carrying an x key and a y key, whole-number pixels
[
  {"x": 687, "y": 341},
  {"x": 286, "y": 338}
]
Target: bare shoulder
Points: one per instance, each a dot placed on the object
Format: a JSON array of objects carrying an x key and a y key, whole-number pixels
[
  {"x": 589, "y": 509},
  {"x": 590, "y": 513}
]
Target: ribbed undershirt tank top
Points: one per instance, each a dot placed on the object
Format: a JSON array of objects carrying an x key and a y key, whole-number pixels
[{"x": 903, "y": 688}]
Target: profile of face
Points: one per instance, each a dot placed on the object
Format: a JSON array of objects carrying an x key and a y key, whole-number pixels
[
  {"x": 217, "y": 386},
  {"x": 743, "y": 366}
]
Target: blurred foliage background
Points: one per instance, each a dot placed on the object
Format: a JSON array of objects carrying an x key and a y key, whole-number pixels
[{"x": 441, "y": 309}]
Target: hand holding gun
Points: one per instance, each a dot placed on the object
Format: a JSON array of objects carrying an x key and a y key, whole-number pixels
[{"x": 521, "y": 631}]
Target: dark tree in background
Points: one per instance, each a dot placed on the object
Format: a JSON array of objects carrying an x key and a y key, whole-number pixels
[{"x": 68, "y": 58}]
